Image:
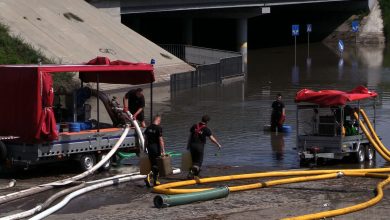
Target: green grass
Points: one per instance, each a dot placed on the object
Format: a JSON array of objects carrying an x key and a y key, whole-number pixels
[
  {"x": 385, "y": 7},
  {"x": 14, "y": 50}
]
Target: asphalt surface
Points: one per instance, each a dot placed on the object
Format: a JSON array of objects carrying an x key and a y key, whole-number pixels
[{"x": 133, "y": 200}]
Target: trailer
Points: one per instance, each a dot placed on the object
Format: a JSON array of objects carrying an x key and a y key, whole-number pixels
[
  {"x": 35, "y": 130},
  {"x": 327, "y": 127}
]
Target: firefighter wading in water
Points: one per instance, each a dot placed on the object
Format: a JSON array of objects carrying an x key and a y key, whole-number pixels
[
  {"x": 278, "y": 115},
  {"x": 156, "y": 147},
  {"x": 196, "y": 143}
]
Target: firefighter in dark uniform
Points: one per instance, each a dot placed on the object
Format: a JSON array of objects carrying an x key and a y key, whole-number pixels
[
  {"x": 197, "y": 140},
  {"x": 155, "y": 146},
  {"x": 278, "y": 114},
  {"x": 134, "y": 101}
]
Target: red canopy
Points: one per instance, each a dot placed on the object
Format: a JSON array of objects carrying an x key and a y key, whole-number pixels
[
  {"x": 334, "y": 97},
  {"x": 117, "y": 72},
  {"x": 26, "y": 94}
]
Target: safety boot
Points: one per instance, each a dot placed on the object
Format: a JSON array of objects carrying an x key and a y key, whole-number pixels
[
  {"x": 155, "y": 180},
  {"x": 190, "y": 175},
  {"x": 148, "y": 180}
]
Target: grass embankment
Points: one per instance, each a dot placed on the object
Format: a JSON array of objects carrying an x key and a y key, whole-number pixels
[
  {"x": 13, "y": 50},
  {"x": 385, "y": 7}
]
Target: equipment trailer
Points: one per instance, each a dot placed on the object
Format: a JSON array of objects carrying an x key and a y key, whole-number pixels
[
  {"x": 327, "y": 127},
  {"x": 31, "y": 130}
]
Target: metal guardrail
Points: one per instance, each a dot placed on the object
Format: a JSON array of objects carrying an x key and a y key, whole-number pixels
[{"x": 212, "y": 66}]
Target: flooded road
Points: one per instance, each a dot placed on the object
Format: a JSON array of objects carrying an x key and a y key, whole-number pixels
[{"x": 239, "y": 109}]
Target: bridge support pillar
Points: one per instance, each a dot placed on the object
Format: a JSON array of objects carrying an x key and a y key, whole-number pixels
[
  {"x": 188, "y": 31},
  {"x": 242, "y": 39}
]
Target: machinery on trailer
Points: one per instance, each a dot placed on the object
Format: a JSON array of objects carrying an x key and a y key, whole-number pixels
[
  {"x": 34, "y": 129},
  {"x": 327, "y": 128}
]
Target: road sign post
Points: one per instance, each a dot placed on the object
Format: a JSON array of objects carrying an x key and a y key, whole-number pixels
[
  {"x": 308, "y": 30},
  {"x": 355, "y": 29},
  {"x": 295, "y": 33}
]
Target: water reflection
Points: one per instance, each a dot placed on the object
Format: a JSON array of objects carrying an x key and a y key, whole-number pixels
[
  {"x": 240, "y": 109},
  {"x": 341, "y": 68},
  {"x": 277, "y": 144},
  {"x": 295, "y": 75}
]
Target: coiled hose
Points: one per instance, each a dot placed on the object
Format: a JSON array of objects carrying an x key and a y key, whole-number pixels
[{"x": 301, "y": 176}]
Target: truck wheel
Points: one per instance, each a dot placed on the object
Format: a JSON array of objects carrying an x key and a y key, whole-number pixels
[
  {"x": 360, "y": 155},
  {"x": 87, "y": 161},
  {"x": 370, "y": 152},
  {"x": 3, "y": 151},
  {"x": 106, "y": 166}
]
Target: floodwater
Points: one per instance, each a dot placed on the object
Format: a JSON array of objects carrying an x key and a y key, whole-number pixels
[{"x": 239, "y": 109}]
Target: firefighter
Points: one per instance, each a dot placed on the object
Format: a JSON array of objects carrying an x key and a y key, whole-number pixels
[
  {"x": 278, "y": 114},
  {"x": 156, "y": 147},
  {"x": 134, "y": 101},
  {"x": 196, "y": 142}
]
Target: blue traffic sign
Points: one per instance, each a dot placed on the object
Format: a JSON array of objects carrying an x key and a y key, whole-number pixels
[
  {"x": 341, "y": 46},
  {"x": 308, "y": 28},
  {"x": 295, "y": 30},
  {"x": 355, "y": 26}
]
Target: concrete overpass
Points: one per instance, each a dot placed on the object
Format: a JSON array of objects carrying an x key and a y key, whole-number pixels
[
  {"x": 225, "y": 24},
  {"x": 151, "y": 6}
]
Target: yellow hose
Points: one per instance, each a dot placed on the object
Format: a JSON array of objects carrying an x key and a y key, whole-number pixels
[
  {"x": 167, "y": 188},
  {"x": 301, "y": 176},
  {"x": 379, "y": 148},
  {"x": 349, "y": 209},
  {"x": 375, "y": 136}
]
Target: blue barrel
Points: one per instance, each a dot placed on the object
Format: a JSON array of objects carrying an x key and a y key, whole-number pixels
[{"x": 74, "y": 127}]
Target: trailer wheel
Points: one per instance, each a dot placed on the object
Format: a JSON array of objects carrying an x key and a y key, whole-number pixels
[
  {"x": 106, "y": 166},
  {"x": 360, "y": 155},
  {"x": 87, "y": 161},
  {"x": 3, "y": 151},
  {"x": 370, "y": 152}
]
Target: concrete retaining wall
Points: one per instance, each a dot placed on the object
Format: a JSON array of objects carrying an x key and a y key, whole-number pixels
[
  {"x": 73, "y": 31},
  {"x": 370, "y": 30}
]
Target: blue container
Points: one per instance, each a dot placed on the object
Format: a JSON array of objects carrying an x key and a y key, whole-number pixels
[
  {"x": 85, "y": 125},
  {"x": 286, "y": 129},
  {"x": 58, "y": 126},
  {"x": 74, "y": 127}
]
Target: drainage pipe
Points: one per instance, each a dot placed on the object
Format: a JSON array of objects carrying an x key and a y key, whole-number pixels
[
  {"x": 45, "y": 187},
  {"x": 140, "y": 135},
  {"x": 162, "y": 201},
  {"x": 44, "y": 205},
  {"x": 47, "y": 203},
  {"x": 79, "y": 192}
]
